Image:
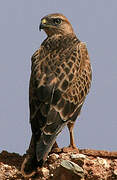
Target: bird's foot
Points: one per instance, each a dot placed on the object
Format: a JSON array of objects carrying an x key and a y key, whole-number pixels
[
  {"x": 55, "y": 148},
  {"x": 71, "y": 148},
  {"x": 29, "y": 166}
]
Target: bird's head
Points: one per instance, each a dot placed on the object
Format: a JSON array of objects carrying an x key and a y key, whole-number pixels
[{"x": 56, "y": 24}]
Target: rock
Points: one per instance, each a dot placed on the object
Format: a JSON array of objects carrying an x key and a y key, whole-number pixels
[
  {"x": 64, "y": 156},
  {"x": 56, "y": 150},
  {"x": 7, "y": 172},
  {"x": 73, "y": 167},
  {"x": 77, "y": 156},
  {"x": 68, "y": 170},
  {"x": 115, "y": 172},
  {"x": 70, "y": 149},
  {"x": 45, "y": 172},
  {"x": 78, "y": 159},
  {"x": 103, "y": 162},
  {"x": 52, "y": 157},
  {"x": 90, "y": 164}
]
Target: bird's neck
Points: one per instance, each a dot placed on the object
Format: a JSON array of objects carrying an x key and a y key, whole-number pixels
[{"x": 60, "y": 41}]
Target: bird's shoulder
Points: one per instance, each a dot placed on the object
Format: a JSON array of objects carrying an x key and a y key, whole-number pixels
[{"x": 66, "y": 61}]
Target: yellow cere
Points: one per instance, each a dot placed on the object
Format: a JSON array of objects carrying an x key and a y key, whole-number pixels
[{"x": 43, "y": 21}]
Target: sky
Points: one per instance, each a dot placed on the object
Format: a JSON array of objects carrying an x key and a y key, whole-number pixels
[{"x": 94, "y": 22}]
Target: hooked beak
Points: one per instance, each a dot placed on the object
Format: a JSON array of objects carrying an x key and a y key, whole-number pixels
[{"x": 42, "y": 24}]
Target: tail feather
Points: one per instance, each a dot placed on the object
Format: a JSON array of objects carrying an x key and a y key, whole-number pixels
[
  {"x": 48, "y": 138},
  {"x": 43, "y": 149}
]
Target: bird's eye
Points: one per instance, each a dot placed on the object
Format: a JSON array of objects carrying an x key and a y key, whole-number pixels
[{"x": 57, "y": 21}]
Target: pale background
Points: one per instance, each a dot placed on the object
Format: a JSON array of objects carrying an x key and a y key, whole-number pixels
[{"x": 95, "y": 22}]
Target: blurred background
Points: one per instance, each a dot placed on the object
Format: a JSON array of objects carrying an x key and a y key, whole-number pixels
[{"x": 94, "y": 22}]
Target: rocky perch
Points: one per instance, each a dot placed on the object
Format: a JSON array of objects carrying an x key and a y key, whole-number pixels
[{"x": 64, "y": 165}]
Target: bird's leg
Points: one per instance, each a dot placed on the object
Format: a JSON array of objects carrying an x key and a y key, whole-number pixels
[
  {"x": 72, "y": 146},
  {"x": 70, "y": 127}
]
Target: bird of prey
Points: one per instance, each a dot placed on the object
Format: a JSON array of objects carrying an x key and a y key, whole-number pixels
[{"x": 60, "y": 80}]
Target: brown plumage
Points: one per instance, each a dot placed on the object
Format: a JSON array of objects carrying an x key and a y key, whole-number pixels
[{"x": 60, "y": 80}]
